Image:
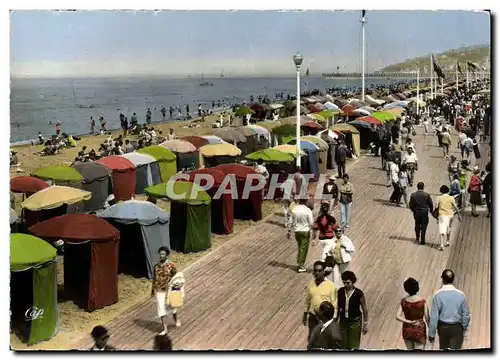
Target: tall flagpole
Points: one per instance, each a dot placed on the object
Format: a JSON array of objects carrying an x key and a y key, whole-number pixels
[
  {"x": 431, "y": 76},
  {"x": 363, "y": 20},
  {"x": 456, "y": 75},
  {"x": 442, "y": 86},
  {"x": 418, "y": 89},
  {"x": 467, "y": 74}
]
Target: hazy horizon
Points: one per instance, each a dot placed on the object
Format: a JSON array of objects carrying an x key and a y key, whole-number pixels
[{"x": 52, "y": 44}]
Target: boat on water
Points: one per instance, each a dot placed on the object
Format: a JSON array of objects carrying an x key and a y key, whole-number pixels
[
  {"x": 222, "y": 73},
  {"x": 307, "y": 72},
  {"x": 205, "y": 83}
]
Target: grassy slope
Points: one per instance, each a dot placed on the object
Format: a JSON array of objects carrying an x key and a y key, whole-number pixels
[{"x": 477, "y": 54}]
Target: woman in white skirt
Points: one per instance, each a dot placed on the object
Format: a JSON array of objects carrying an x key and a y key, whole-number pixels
[
  {"x": 342, "y": 251},
  {"x": 163, "y": 273},
  {"x": 446, "y": 208}
]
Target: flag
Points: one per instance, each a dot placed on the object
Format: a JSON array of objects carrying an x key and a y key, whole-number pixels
[
  {"x": 459, "y": 68},
  {"x": 437, "y": 68},
  {"x": 471, "y": 66}
]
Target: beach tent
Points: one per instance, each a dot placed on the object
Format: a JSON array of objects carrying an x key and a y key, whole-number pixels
[
  {"x": 190, "y": 215},
  {"x": 263, "y": 135},
  {"x": 216, "y": 154},
  {"x": 27, "y": 185},
  {"x": 212, "y": 139},
  {"x": 285, "y": 133},
  {"x": 97, "y": 180},
  {"x": 166, "y": 160},
  {"x": 60, "y": 175},
  {"x": 251, "y": 207},
  {"x": 33, "y": 288},
  {"x": 143, "y": 230},
  {"x": 351, "y": 136},
  {"x": 197, "y": 141},
  {"x": 187, "y": 155},
  {"x": 122, "y": 177},
  {"x": 383, "y": 116},
  {"x": 292, "y": 120},
  {"x": 310, "y": 163},
  {"x": 51, "y": 201},
  {"x": 270, "y": 156},
  {"x": 147, "y": 170},
  {"x": 323, "y": 151},
  {"x": 252, "y": 144},
  {"x": 222, "y": 207},
  {"x": 230, "y": 135},
  {"x": 90, "y": 257}
]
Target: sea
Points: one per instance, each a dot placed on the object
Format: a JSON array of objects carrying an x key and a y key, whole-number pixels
[{"x": 37, "y": 104}]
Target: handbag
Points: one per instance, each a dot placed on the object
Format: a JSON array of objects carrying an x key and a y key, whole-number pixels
[
  {"x": 329, "y": 261},
  {"x": 175, "y": 299},
  {"x": 435, "y": 213}
]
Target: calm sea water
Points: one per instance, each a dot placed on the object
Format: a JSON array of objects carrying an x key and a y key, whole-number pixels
[{"x": 36, "y": 104}]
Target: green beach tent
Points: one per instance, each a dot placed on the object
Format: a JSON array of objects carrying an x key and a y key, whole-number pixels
[
  {"x": 285, "y": 133},
  {"x": 270, "y": 156},
  {"x": 59, "y": 175},
  {"x": 190, "y": 215},
  {"x": 383, "y": 116},
  {"x": 33, "y": 288},
  {"x": 165, "y": 158}
]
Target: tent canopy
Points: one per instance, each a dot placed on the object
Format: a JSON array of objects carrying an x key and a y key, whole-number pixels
[
  {"x": 383, "y": 116},
  {"x": 239, "y": 171},
  {"x": 135, "y": 211},
  {"x": 320, "y": 143},
  {"x": 58, "y": 173},
  {"x": 181, "y": 191},
  {"x": 305, "y": 145},
  {"x": 116, "y": 163},
  {"x": 139, "y": 159},
  {"x": 179, "y": 146},
  {"x": 53, "y": 197},
  {"x": 212, "y": 139},
  {"x": 270, "y": 155},
  {"x": 166, "y": 160},
  {"x": 159, "y": 153},
  {"x": 27, "y": 184},
  {"x": 269, "y": 125},
  {"x": 289, "y": 149},
  {"x": 76, "y": 227},
  {"x": 197, "y": 141},
  {"x": 344, "y": 128},
  {"x": 217, "y": 175},
  {"x": 230, "y": 135},
  {"x": 92, "y": 171},
  {"x": 28, "y": 251},
  {"x": 220, "y": 150}
]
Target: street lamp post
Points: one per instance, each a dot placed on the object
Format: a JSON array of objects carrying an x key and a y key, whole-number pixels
[
  {"x": 418, "y": 89},
  {"x": 297, "y": 59}
]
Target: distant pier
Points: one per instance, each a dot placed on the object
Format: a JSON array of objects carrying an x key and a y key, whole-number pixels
[{"x": 399, "y": 74}]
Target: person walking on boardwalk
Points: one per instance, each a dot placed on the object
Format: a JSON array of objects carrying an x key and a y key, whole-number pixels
[
  {"x": 404, "y": 183},
  {"x": 474, "y": 190},
  {"x": 421, "y": 205},
  {"x": 164, "y": 271},
  {"x": 346, "y": 194},
  {"x": 327, "y": 334},
  {"x": 331, "y": 193},
  {"x": 446, "y": 142},
  {"x": 320, "y": 289},
  {"x": 324, "y": 229},
  {"x": 352, "y": 311},
  {"x": 449, "y": 314},
  {"x": 395, "y": 183},
  {"x": 414, "y": 315},
  {"x": 410, "y": 159},
  {"x": 453, "y": 167},
  {"x": 101, "y": 337},
  {"x": 341, "y": 158},
  {"x": 302, "y": 223},
  {"x": 446, "y": 207},
  {"x": 341, "y": 252}
]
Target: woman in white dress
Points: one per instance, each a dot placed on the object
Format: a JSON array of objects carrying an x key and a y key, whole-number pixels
[{"x": 342, "y": 250}]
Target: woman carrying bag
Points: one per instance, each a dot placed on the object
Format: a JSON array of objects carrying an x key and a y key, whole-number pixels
[
  {"x": 340, "y": 256},
  {"x": 175, "y": 296}
]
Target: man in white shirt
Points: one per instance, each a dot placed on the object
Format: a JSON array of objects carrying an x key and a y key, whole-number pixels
[
  {"x": 302, "y": 223},
  {"x": 411, "y": 161}
]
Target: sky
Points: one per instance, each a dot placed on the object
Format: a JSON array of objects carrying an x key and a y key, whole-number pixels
[{"x": 253, "y": 43}]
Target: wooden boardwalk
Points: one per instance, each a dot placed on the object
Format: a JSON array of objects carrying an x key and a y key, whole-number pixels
[{"x": 247, "y": 295}]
